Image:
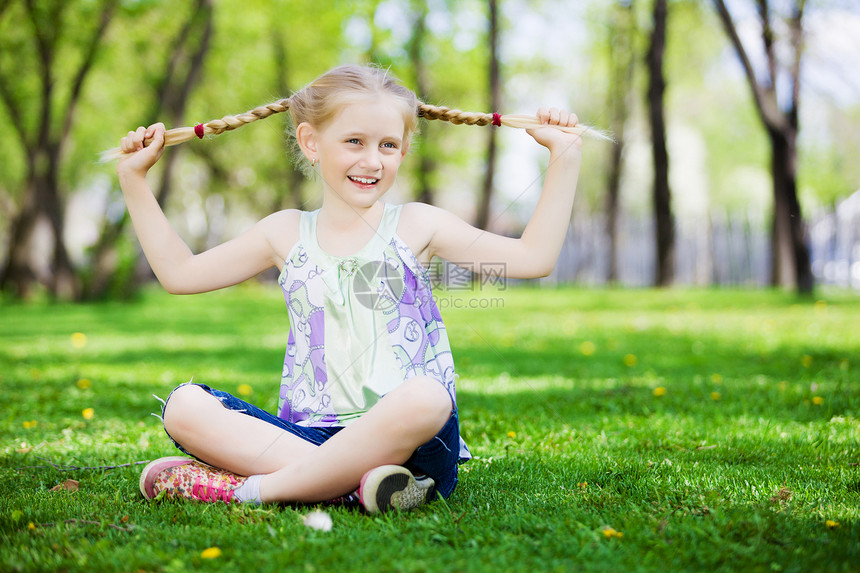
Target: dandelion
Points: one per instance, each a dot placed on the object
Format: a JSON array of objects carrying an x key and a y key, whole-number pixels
[
  {"x": 716, "y": 378},
  {"x": 609, "y": 533},
  {"x": 630, "y": 360},
  {"x": 831, "y": 524},
  {"x": 84, "y": 384},
  {"x": 88, "y": 413},
  {"x": 30, "y": 424},
  {"x": 245, "y": 390},
  {"x": 79, "y": 340},
  {"x": 587, "y": 348},
  {"x": 32, "y": 526},
  {"x": 806, "y": 361},
  {"x": 817, "y": 400},
  {"x": 582, "y": 485},
  {"x": 659, "y": 391},
  {"x": 318, "y": 520},
  {"x": 512, "y": 434},
  {"x": 211, "y": 553},
  {"x": 715, "y": 396}
]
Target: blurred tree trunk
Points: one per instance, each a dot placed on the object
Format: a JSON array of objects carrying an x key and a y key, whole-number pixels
[
  {"x": 664, "y": 221},
  {"x": 483, "y": 214},
  {"x": 621, "y": 64},
  {"x": 294, "y": 178},
  {"x": 790, "y": 258},
  {"x": 182, "y": 71},
  {"x": 44, "y": 141},
  {"x": 426, "y": 161}
]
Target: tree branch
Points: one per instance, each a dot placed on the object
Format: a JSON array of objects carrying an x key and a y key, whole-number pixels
[
  {"x": 46, "y": 41},
  {"x": 14, "y": 114},
  {"x": 765, "y": 102},
  {"x": 86, "y": 65},
  {"x": 797, "y": 44}
]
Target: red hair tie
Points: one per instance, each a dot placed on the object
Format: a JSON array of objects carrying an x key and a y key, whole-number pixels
[
  {"x": 497, "y": 119},
  {"x": 198, "y": 130}
]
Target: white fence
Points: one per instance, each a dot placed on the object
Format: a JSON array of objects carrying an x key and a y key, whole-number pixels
[{"x": 722, "y": 249}]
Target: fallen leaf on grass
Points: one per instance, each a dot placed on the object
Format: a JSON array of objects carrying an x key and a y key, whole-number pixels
[
  {"x": 784, "y": 494},
  {"x": 68, "y": 485}
]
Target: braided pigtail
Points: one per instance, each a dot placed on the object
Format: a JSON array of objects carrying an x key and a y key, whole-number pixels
[
  {"x": 215, "y": 127},
  {"x": 459, "y": 117},
  {"x": 318, "y": 102}
]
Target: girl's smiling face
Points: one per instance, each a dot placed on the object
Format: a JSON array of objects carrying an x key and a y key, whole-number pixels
[{"x": 360, "y": 150}]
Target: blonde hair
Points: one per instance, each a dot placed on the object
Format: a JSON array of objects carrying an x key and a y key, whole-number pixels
[{"x": 319, "y": 101}]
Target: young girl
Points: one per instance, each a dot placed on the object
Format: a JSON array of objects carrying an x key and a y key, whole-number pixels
[{"x": 368, "y": 409}]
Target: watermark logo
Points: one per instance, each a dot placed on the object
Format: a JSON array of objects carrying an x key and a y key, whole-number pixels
[{"x": 378, "y": 285}]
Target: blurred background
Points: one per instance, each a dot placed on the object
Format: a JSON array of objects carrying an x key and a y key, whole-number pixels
[{"x": 735, "y": 161}]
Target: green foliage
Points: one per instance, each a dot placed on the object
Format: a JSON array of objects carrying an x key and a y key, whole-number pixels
[{"x": 747, "y": 461}]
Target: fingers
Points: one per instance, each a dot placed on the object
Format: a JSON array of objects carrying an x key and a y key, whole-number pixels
[
  {"x": 556, "y": 116},
  {"x": 143, "y": 137}
]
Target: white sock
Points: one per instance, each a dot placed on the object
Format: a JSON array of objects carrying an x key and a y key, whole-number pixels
[{"x": 249, "y": 492}]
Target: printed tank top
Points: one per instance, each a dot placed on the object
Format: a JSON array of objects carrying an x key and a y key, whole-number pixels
[{"x": 359, "y": 326}]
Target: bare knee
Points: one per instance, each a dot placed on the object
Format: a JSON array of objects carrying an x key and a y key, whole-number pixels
[
  {"x": 426, "y": 404},
  {"x": 182, "y": 407}
]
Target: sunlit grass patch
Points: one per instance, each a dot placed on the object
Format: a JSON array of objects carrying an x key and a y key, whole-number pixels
[{"x": 612, "y": 430}]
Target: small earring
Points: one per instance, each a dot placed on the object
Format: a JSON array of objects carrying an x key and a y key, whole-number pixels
[{"x": 314, "y": 162}]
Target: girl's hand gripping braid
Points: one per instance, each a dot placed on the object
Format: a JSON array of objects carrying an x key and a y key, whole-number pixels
[
  {"x": 141, "y": 149},
  {"x": 556, "y": 140}
]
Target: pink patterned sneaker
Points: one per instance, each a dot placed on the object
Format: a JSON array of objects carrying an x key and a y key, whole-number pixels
[
  {"x": 394, "y": 487},
  {"x": 191, "y": 479}
]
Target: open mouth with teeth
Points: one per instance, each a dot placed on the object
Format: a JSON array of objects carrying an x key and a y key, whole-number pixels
[{"x": 363, "y": 180}]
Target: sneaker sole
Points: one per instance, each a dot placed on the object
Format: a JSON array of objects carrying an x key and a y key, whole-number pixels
[
  {"x": 379, "y": 487},
  {"x": 148, "y": 473}
]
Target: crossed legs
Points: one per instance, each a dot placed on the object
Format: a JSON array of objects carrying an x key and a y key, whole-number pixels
[{"x": 293, "y": 469}]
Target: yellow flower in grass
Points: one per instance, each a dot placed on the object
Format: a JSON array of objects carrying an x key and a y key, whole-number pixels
[
  {"x": 716, "y": 378},
  {"x": 817, "y": 400},
  {"x": 30, "y": 424},
  {"x": 84, "y": 383},
  {"x": 587, "y": 348},
  {"x": 630, "y": 360},
  {"x": 88, "y": 413},
  {"x": 831, "y": 524},
  {"x": 806, "y": 360},
  {"x": 211, "y": 553},
  {"x": 79, "y": 340},
  {"x": 512, "y": 434},
  {"x": 715, "y": 396},
  {"x": 609, "y": 533},
  {"x": 659, "y": 391},
  {"x": 245, "y": 390}
]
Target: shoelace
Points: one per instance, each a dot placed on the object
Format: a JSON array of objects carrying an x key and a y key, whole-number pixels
[{"x": 215, "y": 490}]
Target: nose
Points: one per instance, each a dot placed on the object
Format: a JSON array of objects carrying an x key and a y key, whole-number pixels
[{"x": 371, "y": 159}]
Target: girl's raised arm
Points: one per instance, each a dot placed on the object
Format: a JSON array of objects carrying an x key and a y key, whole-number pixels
[
  {"x": 177, "y": 268},
  {"x": 535, "y": 253}
]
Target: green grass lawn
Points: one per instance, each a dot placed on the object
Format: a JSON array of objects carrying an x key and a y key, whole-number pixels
[{"x": 612, "y": 431}]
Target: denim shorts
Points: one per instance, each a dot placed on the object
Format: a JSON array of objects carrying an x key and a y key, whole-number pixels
[{"x": 437, "y": 458}]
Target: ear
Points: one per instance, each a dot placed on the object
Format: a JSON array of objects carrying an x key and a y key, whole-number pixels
[
  {"x": 306, "y": 138},
  {"x": 404, "y": 151}
]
